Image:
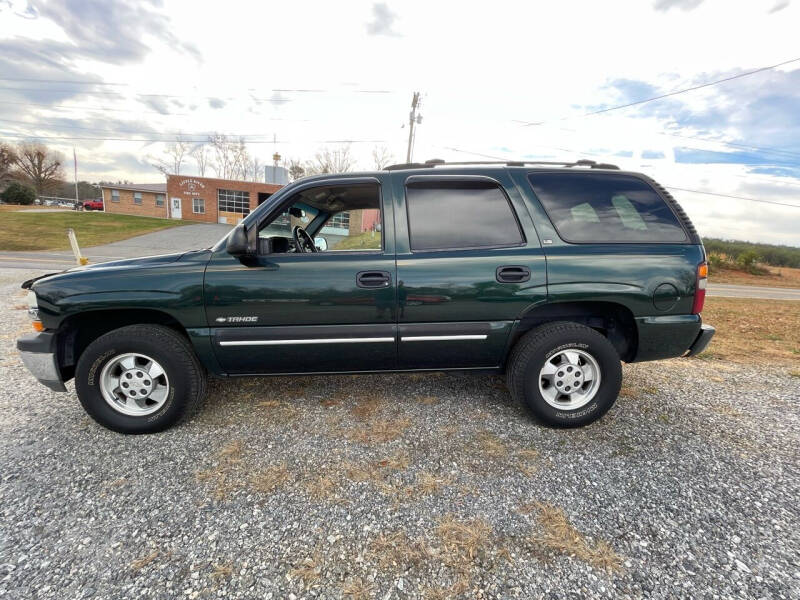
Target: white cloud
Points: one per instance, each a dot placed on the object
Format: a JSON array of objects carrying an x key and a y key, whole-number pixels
[{"x": 479, "y": 66}]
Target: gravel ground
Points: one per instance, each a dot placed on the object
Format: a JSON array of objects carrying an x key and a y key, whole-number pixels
[{"x": 405, "y": 486}]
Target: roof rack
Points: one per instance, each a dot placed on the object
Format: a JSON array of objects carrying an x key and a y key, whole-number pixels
[{"x": 436, "y": 162}]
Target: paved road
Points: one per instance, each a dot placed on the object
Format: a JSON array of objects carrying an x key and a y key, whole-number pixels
[
  {"x": 752, "y": 291},
  {"x": 188, "y": 237}
]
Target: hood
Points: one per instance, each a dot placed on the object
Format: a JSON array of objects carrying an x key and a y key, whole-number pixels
[{"x": 143, "y": 261}]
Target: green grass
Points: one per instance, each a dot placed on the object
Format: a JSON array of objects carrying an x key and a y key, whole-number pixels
[
  {"x": 368, "y": 240},
  {"x": 48, "y": 231}
]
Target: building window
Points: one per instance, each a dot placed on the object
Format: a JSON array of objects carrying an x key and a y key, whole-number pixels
[
  {"x": 198, "y": 206},
  {"x": 115, "y": 195},
  {"x": 233, "y": 201},
  {"x": 137, "y": 197},
  {"x": 340, "y": 221},
  {"x": 159, "y": 199}
]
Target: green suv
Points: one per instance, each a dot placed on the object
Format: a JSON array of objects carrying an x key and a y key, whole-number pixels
[{"x": 551, "y": 273}]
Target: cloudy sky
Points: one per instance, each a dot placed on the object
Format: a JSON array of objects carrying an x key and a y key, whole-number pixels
[{"x": 499, "y": 80}]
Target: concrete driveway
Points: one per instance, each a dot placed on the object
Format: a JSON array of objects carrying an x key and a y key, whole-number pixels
[{"x": 177, "y": 239}]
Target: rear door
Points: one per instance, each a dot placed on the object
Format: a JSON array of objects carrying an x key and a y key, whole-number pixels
[
  {"x": 310, "y": 312},
  {"x": 468, "y": 264}
]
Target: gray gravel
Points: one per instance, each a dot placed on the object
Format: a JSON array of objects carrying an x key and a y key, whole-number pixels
[{"x": 691, "y": 480}]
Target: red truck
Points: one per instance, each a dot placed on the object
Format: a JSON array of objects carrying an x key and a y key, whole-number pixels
[{"x": 93, "y": 205}]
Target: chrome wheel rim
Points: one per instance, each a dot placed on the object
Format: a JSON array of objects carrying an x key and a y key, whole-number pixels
[
  {"x": 134, "y": 384},
  {"x": 569, "y": 379}
]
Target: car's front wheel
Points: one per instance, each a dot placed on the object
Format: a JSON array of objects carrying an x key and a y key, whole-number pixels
[
  {"x": 139, "y": 379},
  {"x": 566, "y": 374}
]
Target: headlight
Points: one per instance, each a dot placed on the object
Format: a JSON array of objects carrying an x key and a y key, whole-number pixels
[{"x": 33, "y": 311}]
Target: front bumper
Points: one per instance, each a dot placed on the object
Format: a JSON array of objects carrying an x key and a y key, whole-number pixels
[
  {"x": 38, "y": 353},
  {"x": 701, "y": 341}
]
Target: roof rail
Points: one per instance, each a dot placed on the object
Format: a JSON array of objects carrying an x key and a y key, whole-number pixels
[{"x": 437, "y": 162}]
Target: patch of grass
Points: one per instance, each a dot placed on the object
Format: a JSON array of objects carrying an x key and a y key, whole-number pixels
[
  {"x": 462, "y": 540},
  {"x": 141, "y": 563},
  {"x": 559, "y": 536},
  {"x": 396, "y": 549},
  {"x": 322, "y": 487},
  {"x": 223, "y": 475},
  {"x": 726, "y": 410},
  {"x": 426, "y": 484},
  {"x": 421, "y": 399},
  {"x": 378, "y": 431},
  {"x": 369, "y": 240},
  {"x": 753, "y": 331},
  {"x": 222, "y": 571},
  {"x": 279, "y": 412},
  {"x": 48, "y": 231},
  {"x": 269, "y": 479},
  {"x": 396, "y": 462},
  {"x": 366, "y": 407},
  {"x": 458, "y": 588},
  {"x": 308, "y": 570},
  {"x": 491, "y": 445},
  {"x": 358, "y": 589},
  {"x": 794, "y": 373}
]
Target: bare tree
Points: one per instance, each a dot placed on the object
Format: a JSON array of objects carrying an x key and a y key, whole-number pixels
[
  {"x": 225, "y": 155},
  {"x": 7, "y": 160},
  {"x": 338, "y": 160},
  {"x": 174, "y": 154},
  {"x": 295, "y": 168},
  {"x": 241, "y": 160},
  {"x": 256, "y": 169},
  {"x": 39, "y": 165},
  {"x": 201, "y": 156},
  {"x": 382, "y": 157}
]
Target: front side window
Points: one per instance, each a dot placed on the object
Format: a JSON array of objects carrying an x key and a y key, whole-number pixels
[
  {"x": 460, "y": 214},
  {"x": 605, "y": 208},
  {"x": 159, "y": 199},
  {"x": 198, "y": 206},
  {"x": 137, "y": 197},
  {"x": 338, "y": 218},
  {"x": 115, "y": 195}
]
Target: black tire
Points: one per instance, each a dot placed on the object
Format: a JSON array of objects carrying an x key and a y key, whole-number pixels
[
  {"x": 172, "y": 351},
  {"x": 531, "y": 352}
]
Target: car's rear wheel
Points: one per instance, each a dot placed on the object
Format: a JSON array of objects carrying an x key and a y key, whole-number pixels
[
  {"x": 139, "y": 379},
  {"x": 565, "y": 374}
]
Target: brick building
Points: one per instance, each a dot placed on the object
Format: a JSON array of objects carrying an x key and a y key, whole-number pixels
[
  {"x": 144, "y": 199},
  {"x": 202, "y": 199},
  {"x": 209, "y": 200}
]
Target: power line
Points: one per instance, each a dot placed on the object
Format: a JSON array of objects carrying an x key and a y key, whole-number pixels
[
  {"x": 144, "y": 131},
  {"x": 190, "y": 141},
  {"x": 667, "y": 186},
  {"x": 671, "y": 187},
  {"x": 89, "y": 82},
  {"x": 669, "y": 94}
]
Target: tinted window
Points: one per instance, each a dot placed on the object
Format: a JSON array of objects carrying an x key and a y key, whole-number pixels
[
  {"x": 587, "y": 207},
  {"x": 460, "y": 214}
]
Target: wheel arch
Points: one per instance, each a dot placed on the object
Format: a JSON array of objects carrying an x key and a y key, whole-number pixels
[
  {"x": 77, "y": 331},
  {"x": 614, "y": 321}
]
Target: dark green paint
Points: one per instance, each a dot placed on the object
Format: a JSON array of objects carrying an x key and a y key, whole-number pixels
[{"x": 451, "y": 288}]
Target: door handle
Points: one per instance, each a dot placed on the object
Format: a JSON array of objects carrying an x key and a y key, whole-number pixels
[
  {"x": 513, "y": 274},
  {"x": 373, "y": 279}
]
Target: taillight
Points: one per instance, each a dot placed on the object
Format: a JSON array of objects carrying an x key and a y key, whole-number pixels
[{"x": 700, "y": 288}]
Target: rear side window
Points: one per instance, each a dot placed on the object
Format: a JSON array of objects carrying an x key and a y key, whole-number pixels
[
  {"x": 587, "y": 207},
  {"x": 460, "y": 214}
]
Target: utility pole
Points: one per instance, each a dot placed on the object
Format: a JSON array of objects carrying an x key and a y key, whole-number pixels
[
  {"x": 75, "y": 162},
  {"x": 413, "y": 119}
]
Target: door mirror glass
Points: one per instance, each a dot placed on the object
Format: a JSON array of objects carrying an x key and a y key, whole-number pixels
[
  {"x": 237, "y": 244},
  {"x": 321, "y": 243}
]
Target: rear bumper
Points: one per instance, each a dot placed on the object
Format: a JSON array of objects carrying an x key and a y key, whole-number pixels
[
  {"x": 701, "y": 341},
  {"x": 38, "y": 353}
]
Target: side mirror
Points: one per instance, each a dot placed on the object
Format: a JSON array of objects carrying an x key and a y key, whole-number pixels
[
  {"x": 238, "y": 243},
  {"x": 321, "y": 243}
]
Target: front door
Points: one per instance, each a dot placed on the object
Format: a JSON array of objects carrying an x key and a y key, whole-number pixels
[
  {"x": 290, "y": 311},
  {"x": 469, "y": 263},
  {"x": 175, "y": 210}
]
